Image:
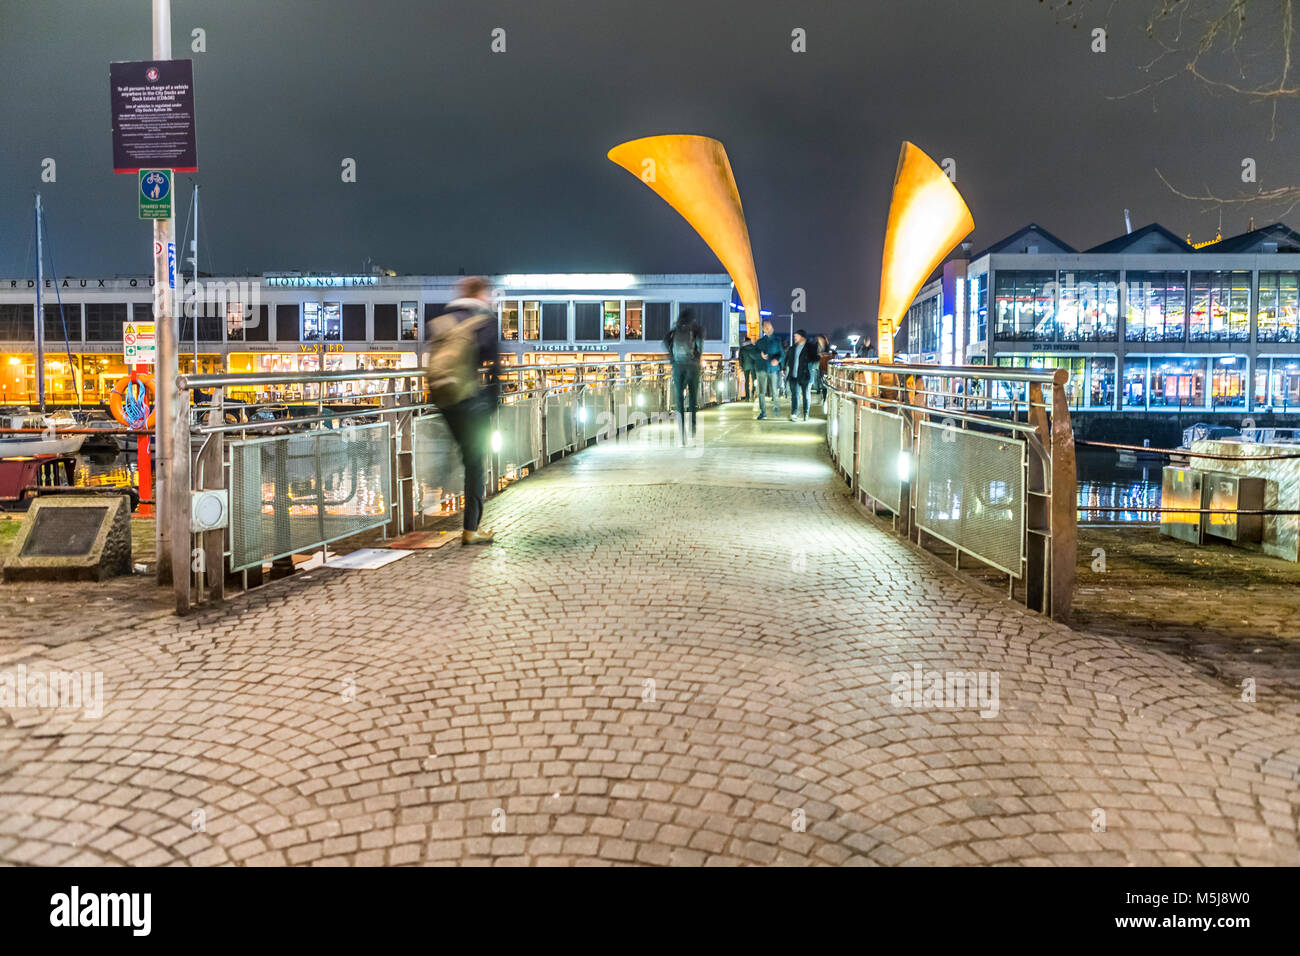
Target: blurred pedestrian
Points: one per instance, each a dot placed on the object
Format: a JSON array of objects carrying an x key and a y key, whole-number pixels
[
  {"x": 769, "y": 377},
  {"x": 751, "y": 363},
  {"x": 799, "y": 362},
  {"x": 685, "y": 345},
  {"x": 462, "y": 341},
  {"x": 823, "y": 364}
]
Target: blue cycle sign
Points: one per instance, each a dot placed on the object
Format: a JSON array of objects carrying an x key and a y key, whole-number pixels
[{"x": 155, "y": 194}]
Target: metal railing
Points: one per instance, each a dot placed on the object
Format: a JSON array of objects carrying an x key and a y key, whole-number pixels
[
  {"x": 356, "y": 451},
  {"x": 978, "y": 458}
]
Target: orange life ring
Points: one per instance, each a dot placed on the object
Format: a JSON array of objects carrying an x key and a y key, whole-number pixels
[{"x": 117, "y": 398}]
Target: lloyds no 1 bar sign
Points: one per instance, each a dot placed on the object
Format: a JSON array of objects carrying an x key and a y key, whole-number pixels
[{"x": 153, "y": 115}]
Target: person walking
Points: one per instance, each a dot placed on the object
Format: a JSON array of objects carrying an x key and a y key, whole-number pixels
[
  {"x": 462, "y": 341},
  {"x": 751, "y": 363},
  {"x": 823, "y": 364},
  {"x": 770, "y": 354},
  {"x": 798, "y": 365},
  {"x": 685, "y": 345}
]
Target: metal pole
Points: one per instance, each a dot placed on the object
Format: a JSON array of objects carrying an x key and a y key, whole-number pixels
[
  {"x": 172, "y": 480},
  {"x": 40, "y": 311}
]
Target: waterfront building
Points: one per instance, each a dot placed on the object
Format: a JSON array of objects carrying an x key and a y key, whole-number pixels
[
  {"x": 1145, "y": 322},
  {"x": 292, "y": 322}
]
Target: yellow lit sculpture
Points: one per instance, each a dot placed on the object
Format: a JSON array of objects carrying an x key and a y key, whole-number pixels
[
  {"x": 692, "y": 174},
  {"x": 927, "y": 218}
]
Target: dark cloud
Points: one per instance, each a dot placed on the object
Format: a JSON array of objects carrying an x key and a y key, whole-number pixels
[{"x": 496, "y": 162}]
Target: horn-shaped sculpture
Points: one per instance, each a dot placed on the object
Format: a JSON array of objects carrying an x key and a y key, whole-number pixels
[
  {"x": 927, "y": 218},
  {"x": 692, "y": 174}
]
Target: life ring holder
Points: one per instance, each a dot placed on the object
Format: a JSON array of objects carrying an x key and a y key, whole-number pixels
[{"x": 125, "y": 399}]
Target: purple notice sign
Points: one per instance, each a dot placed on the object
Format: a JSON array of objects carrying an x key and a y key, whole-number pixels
[{"x": 153, "y": 115}]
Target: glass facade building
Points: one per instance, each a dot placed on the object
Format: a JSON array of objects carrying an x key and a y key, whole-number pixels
[{"x": 1145, "y": 322}]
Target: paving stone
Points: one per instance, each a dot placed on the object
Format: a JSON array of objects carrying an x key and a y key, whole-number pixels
[{"x": 665, "y": 659}]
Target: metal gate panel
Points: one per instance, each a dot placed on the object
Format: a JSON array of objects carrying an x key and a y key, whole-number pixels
[
  {"x": 520, "y": 436},
  {"x": 970, "y": 492},
  {"x": 846, "y": 434},
  {"x": 593, "y": 413},
  {"x": 438, "y": 471},
  {"x": 293, "y": 493},
  {"x": 881, "y": 443},
  {"x": 833, "y": 424},
  {"x": 561, "y": 410}
]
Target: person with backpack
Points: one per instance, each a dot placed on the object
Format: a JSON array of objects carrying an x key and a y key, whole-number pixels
[
  {"x": 461, "y": 341},
  {"x": 770, "y": 354},
  {"x": 751, "y": 363},
  {"x": 685, "y": 344}
]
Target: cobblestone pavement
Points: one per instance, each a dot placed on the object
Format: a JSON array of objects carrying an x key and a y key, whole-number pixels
[{"x": 668, "y": 657}]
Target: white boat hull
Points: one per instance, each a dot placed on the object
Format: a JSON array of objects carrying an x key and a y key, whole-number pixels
[{"x": 23, "y": 446}]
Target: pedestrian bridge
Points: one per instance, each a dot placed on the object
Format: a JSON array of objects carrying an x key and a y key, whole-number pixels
[{"x": 669, "y": 656}]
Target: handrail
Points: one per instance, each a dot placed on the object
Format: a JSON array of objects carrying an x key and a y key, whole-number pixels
[
  {"x": 1048, "y": 506},
  {"x": 229, "y": 379},
  {"x": 1058, "y": 376}
]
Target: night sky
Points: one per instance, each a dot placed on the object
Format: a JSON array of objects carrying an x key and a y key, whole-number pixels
[{"x": 496, "y": 162}]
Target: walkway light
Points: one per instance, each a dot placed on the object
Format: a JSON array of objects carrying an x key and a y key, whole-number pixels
[
  {"x": 582, "y": 414},
  {"x": 496, "y": 441},
  {"x": 904, "y": 466}
]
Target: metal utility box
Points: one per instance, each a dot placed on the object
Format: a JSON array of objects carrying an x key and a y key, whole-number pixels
[
  {"x": 1182, "y": 488},
  {"x": 1222, "y": 491}
]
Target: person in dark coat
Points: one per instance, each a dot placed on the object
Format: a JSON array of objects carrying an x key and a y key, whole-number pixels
[
  {"x": 685, "y": 346},
  {"x": 470, "y": 420},
  {"x": 798, "y": 365},
  {"x": 751, "y": 363}
]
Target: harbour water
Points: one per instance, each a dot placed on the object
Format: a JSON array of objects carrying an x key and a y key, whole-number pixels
[{"x": 1107, "y": 483}]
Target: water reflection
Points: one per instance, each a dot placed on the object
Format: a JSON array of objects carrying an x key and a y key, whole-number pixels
[{"x": 1106, "y": 483}]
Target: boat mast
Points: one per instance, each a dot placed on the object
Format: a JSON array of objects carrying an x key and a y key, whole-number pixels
[{"x": 40, "y": 311}]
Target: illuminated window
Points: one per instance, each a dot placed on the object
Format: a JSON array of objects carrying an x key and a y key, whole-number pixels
[
  {"x": 510, "y": 320},
  {"x": 613, "y": 320},
  {"x": 1277, "y": 308},
  {"x": 1228, "y": 382},
  {"x": 1220, "y": 306},
  {"x": 532, "y": 320},
  {"x": 632, "y": 327},
  {"x": 322, "y": 322},
  {"x": 408, "y": 321},
  {"x": 235, "y": 319}
]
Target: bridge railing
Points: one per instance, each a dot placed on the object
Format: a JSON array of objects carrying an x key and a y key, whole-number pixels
[
  {"x": 977, "y": 461},
  {"x": 306, "y": 459}
]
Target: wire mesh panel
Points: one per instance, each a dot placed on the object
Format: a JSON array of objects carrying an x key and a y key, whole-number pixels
[
  {"x": 846, "y": 434},
  {"x": 520, "y": 431},
  {"x": 561, "y": 411},
  {"x": 293, "y": 493},
  {"x": 438, "y": 471},
  {"x": 881, "y": 442},
  {"x": 970, "y": 492}
]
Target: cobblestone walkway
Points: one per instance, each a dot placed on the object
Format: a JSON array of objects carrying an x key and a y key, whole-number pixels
[{"x": 669, "y": 657}]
